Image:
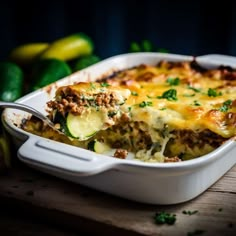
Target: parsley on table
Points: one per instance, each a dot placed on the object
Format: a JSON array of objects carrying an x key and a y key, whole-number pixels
[
  {"x": 173, "y": 81},
  {"x": 189, "y": 212},
  {"x": 170, "y": 95},
  {"x": 164, "y": 218}
]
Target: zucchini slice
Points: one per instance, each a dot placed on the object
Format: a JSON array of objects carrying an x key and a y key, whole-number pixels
[
  {"x": 84, "y": 126},
  {"x": 98, "y": 147}
]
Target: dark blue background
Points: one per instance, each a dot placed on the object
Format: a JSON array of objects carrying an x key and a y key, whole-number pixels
[{"x": 185, "y": 27}]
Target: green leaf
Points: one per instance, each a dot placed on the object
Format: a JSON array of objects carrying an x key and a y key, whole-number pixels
[
  {"x": 170, "y": 95},
  {"x": 173, "y": 81},
  {"x": 164, "y": 218}
]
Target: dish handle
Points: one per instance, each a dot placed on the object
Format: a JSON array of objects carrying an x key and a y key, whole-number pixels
[
  {"x": 48, "y": 154},
  {"x": 219, "y": 58}
]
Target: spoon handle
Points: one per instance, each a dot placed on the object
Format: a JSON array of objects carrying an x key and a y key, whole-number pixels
[{"x": 26, "y": 108}]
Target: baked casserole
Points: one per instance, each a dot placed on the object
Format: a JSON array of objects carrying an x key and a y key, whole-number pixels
[{"x": 168, "y": 112}]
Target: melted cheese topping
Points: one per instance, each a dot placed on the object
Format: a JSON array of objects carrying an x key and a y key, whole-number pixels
[{"x": 180, "y": 97}]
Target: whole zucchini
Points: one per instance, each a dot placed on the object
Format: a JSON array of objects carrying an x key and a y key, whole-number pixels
[{"x": 11, "y": 79}]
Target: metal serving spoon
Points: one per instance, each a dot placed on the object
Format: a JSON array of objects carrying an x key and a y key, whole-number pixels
[{"x": 30, "y": 110}]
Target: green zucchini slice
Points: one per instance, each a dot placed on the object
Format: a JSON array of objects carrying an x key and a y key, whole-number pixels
[{"x": 84, "y": 126}]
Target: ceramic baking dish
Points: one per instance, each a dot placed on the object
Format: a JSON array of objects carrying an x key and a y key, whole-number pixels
[{"x": 155, "y": 183}]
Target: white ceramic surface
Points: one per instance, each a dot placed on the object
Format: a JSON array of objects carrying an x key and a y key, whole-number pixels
[{"x": 155, "y": 183}]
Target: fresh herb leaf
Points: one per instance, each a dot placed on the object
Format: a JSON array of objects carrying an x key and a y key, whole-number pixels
[
  {"x": 112, "y": 113},
  {"x": 92, "y": 86},
  {"x": 134, "y": 93},
  {"x": 173, "y": 81},
  {"x": 145, "y": 104},
  {"x": 196, "y": 103},
  {"x": 189, "y": 95},
  {"x": 170, "y": 95},
  {"x": 226, "y": 106},
  {"x": 213, "y": 93},
  {"x": 164, "y": 218},
  {"x": 189, "y": 212},
  {"x": 197, "y": 90},
  {"x": 105, "y": 84}
]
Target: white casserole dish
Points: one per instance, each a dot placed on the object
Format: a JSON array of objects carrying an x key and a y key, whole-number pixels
[{"x": 155, "y": 183}]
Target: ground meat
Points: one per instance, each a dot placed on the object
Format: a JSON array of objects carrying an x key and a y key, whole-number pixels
[
  {"x": 121, "y": 153},
  {"x": 147, "y": 76},
  {"x": 77, "y": 103},
  {"x": 172, "y": 159}
]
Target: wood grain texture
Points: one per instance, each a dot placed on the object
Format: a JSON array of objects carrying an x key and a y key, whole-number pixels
[{"x": 80, "y": 208}]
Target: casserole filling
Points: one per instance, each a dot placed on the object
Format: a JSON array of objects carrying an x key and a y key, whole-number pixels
[{"x": 169, "y": 112}]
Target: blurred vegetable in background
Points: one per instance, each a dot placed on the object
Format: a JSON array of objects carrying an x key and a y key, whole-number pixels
[
  {"x": 26, "y": 54},
  {"x": 145, "y": 46},
  {"x": 69, "y": 48},
  {"x": 47, "y": 71},
  {"x": 43, "y": 63},
  {"x": 84, "y": 62},
  {"x": 11, "y": 79}
]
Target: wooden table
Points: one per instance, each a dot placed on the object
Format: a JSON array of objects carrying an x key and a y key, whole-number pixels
[{"x": 70, "y": 208}]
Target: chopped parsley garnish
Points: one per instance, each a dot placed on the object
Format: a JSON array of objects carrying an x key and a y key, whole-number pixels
[
  {"x": 170, "y": 95},
  {"x": 189, "y": 212},
  {"x": 104, "y": 84},
  {"x": 213, "y": 93},
  {"x": 112, "y": 113},
  {"x": 164, "y": 218},
  {"x": 145, "y": 104},
  {"x": 196, "y": 103},
  {"x": 197, "y": 90},
  {"x": 134, "y": 93},
  {"x": 173, "y": 81},
  {"x": 226, "y": 106},
  {"x": 189, "y": 95},
  {"x": 92, "y": 86}
]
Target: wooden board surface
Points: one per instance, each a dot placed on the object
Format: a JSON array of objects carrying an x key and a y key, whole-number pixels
[{"x": 81, "y": 208}]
